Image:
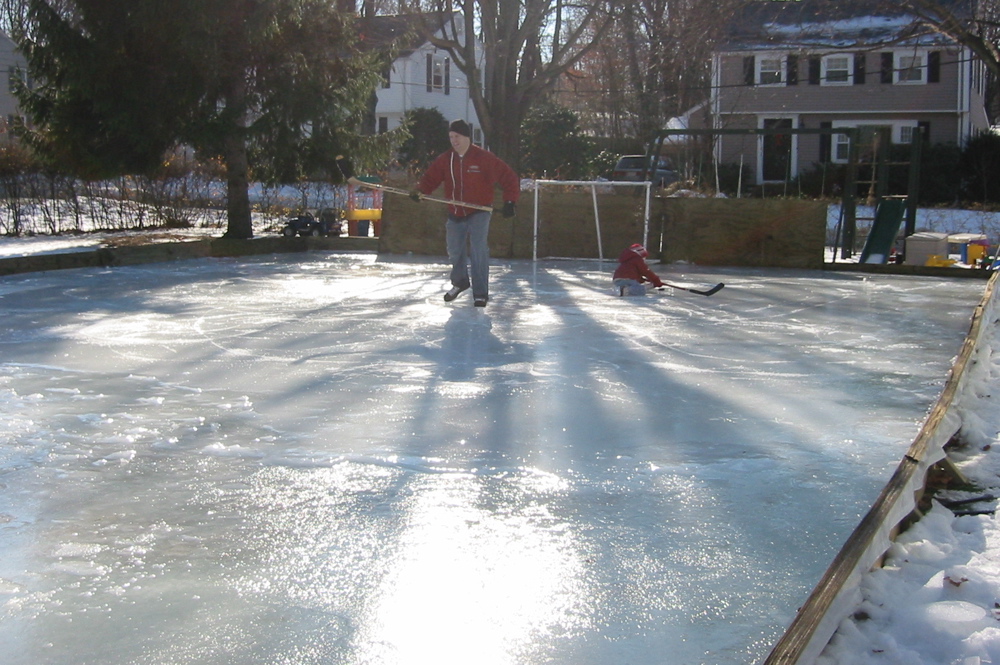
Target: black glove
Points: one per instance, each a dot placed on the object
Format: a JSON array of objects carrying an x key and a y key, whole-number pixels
[
  {"x": 415, "y": 195},
  {"x": 508, "y": 209}
]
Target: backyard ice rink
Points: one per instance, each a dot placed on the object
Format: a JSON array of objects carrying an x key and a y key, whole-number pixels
[{"x": 312, "y": 459}]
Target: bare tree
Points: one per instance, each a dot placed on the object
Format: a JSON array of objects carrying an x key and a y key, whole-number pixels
[
  {"x": 974, "y": 24},
  {"x": 526, "y": 46},
  {"x": 653, "y": 65}
]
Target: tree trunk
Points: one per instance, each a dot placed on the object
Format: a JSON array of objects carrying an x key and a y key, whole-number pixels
[
  {"x": 237, "y": 189},
  {"x": 505, "y": 138},
  {"x": 237, "y": 164}
]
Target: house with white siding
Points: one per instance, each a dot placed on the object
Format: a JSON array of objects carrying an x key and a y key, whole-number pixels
[
  {"x": 822, "y": 64},
  {"x": 421, "y": 76},
  {"x": 13, "y": 63}
]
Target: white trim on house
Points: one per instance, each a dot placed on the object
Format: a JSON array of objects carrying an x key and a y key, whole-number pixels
[{"x": 964, "y": 85}]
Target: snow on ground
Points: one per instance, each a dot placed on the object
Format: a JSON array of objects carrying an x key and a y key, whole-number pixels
[
  {"x": 938, "y": 220},
  {"x": 86, "y": 242},
  {"x": 936, "y": 601}
]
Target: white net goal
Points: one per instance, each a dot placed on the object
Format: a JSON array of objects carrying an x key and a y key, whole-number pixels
[{"x": 596, "y": 187}]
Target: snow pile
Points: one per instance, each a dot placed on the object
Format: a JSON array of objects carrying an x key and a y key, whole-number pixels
[{"x": 937, "y": 599}]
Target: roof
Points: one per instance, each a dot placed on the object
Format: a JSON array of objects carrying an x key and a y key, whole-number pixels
[
  {"x": 766, "y": 24},
  {"x": 404, "y": 31}
]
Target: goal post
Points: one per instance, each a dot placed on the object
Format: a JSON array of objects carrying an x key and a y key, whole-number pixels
[{"x": 593, "y": 185}]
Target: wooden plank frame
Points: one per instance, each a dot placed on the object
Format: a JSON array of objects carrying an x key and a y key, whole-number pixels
[{"x": 838, "y": 592}]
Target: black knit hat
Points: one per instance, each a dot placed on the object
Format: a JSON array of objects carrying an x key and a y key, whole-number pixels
[{"x": 460, "y": 127}]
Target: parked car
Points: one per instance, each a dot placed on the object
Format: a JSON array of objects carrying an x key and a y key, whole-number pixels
[
  {"x": 328, "y": 224},
  {"x": 630, "y": 168}
]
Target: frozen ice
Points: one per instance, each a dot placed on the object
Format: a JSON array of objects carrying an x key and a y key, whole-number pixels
[{"x": 311, "y": 458}]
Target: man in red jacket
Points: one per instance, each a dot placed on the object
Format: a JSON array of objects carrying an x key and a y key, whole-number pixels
[
  {"x": 632, "y": 272},
  {"x": 469, "y": 174}
]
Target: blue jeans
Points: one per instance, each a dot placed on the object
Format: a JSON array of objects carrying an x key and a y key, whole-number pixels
[
  {"x": 629, "y": 287},
  {"x": 466, "y": 238}
]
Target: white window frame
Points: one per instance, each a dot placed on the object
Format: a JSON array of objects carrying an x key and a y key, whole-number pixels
[
  {"x": 839, "y": 148},
  {"x": 902, "y": 131},
  {"x": 840, "y": 145},
  {"x": 826, "y": 69},
  {"x": 899, "y": 69},
  {"x": 437, "y": 72},
  {"x": 779, "y": 71}
]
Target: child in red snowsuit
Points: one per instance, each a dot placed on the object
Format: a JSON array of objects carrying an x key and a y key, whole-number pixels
[{"x": 632, "y": 273}]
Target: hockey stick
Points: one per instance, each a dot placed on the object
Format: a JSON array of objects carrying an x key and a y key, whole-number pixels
[
  {"x": 713, "y": 290},
  {"x": 423, "y": 197},
  {"x": 347, "y": 171}
]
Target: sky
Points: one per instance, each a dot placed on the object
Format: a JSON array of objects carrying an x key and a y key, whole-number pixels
[{"x": 312, "y": 458}]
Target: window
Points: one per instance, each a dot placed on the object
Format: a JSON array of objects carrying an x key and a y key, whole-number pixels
[
  {"x": 841, "y": 148},
  {"x": 909, "y": 68},
  {"x": 17, "y": 75},
  {"x": 769, "y": 69},
  {"x": 837, "y": 70},
  {"x": 903, "y": 132},
  {"x": 438, "y": 73}
]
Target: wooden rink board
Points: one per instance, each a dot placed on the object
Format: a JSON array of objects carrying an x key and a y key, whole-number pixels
[{"x": 717, "y": 232}]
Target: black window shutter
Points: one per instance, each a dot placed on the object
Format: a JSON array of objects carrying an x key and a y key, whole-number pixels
[
  {"x": 447, "y": 76},
  {"x": 859, "y": 68},
  {"x": 749, "y": 65},
  {"x": 814, "y": 69},
  {"x": 887, "y": 67},
  {"x": 430, "y": 72},
  {"x": 825, "y": 142},
  {"x": 925, "y": 131},
  {"x": 792, "y": 70},
  {"x": 934, "y": 67}
]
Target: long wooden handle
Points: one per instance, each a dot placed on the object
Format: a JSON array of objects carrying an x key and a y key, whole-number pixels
[{"x": 396, "y": 190}]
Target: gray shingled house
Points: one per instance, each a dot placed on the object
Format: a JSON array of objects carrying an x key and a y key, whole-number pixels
[{"x": 829, "y": 64}]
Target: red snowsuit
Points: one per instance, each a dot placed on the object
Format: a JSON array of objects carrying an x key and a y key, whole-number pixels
[
  {"x": 633, "y": 266},
  {"x": 470, "y": 178}
]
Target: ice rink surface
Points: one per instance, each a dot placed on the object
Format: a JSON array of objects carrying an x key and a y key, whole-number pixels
[{"x": 312, "y": 459}]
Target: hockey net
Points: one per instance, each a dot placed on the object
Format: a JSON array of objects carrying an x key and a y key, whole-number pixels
[{"x": 595, "y": 186}]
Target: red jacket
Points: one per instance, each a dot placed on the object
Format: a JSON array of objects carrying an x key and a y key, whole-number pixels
[
  {"x": 633, "y": 266},
  {"x": 470, "y": 178}
]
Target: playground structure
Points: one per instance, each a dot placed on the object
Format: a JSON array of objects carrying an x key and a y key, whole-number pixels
[
  {"x": 364, "y": 208},
  {"x": 866, "y": 176}
]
